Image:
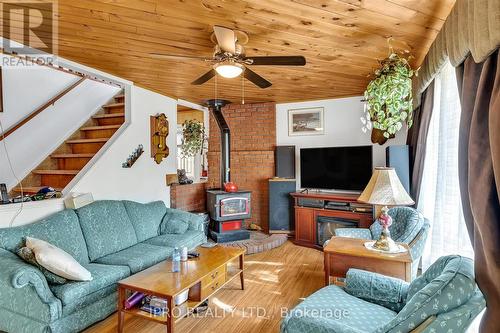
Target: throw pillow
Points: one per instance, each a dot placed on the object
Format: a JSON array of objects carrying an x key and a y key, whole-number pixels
[
  {"x": 27, "y": 255},
  {"x": 57, "y": 261},
  {"x": 174, "y": 224}
]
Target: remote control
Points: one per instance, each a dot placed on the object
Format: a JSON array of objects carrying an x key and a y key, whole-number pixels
[{"x": 193, "y": 254}]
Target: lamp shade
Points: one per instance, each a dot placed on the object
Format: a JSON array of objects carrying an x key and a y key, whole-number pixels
[{"x": 385, "y": 189}]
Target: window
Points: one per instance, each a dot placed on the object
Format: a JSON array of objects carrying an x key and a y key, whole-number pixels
[
  {"x": 184, "y": 162},
  {"x": 440, "y": 198}
]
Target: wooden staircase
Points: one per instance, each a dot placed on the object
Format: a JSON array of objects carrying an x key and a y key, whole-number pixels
[{"x": 68, "y": 160}]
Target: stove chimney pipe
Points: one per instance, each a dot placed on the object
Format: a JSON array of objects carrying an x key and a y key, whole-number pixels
[{"x": 216, "y": 106}]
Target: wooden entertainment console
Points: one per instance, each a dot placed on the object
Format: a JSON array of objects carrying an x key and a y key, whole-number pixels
[{"x": 310, "y": 206}]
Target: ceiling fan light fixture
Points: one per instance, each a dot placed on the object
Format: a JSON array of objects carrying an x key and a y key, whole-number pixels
[{"x": 229, "y": 69}]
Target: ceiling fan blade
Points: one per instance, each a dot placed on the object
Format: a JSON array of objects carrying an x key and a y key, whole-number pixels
[
  {"x": 278, "y": 60},
  {"x": 256, "y": 79},
  {"x": 175, "y": 57},
  {"x": 205, "y": 77},
  {"x": 225, "y": 38}
]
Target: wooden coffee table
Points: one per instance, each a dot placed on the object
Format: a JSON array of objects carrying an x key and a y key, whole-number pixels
[
  {"x": 202, "y": 277},
  {"x": 342, "y": 253}
]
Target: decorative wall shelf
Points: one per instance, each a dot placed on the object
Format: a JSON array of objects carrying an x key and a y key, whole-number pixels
[{"x": 133, "y": 157}]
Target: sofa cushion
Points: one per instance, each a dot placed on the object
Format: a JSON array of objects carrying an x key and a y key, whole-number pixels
[
  {"x": 138, "y": 257},
  {"x": 331, "y": 309},
  {"x": 103, "y": 276},
  {"x": 61, "y": 229},
  {"x": 28, "y": 255},
  {"x": 375, "y": 287},
  {"x": 146, "y": 218},
  {"x": 190, "y": 239},
  {"x": 106, "y": 227},
  {"x": 57, "y": 261},
  {"x": 78, "y": 304},
  {"x": 178, "y": 221},
  {"x": 174, "y": 225}
]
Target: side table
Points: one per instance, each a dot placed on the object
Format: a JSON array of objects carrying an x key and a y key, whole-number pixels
[{"x": 342, "y": 253}]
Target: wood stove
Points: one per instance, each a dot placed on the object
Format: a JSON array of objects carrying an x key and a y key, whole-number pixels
[{"x": 228, "y": 210}]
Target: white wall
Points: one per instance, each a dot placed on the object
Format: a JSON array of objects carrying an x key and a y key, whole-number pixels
[
  {"x": 145, "y": 181},
  {"x": 19, "y": 214},
  {"x": 343, "y": 127},
  {"x": 25, "y": 89}
]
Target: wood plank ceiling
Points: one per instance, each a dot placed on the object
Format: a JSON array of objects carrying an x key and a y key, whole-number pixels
[{"x": 341, "y": 40}]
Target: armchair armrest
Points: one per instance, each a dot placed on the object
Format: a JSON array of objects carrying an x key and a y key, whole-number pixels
[
  {"x": 24, "y": 289},
  {"x": 353, "y": 233},
  {"x": 417, "y": 244},
  {"x": 377, "y": 288}
]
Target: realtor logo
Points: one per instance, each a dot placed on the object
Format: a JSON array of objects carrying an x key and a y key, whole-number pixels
[{"x": 29, "y": 27}]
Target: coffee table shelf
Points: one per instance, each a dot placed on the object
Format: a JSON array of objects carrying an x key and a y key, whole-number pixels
[{"x": 202, "y": 277}]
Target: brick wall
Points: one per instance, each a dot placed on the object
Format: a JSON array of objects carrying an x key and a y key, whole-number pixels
[
  {"x": 191, "y": 197},
  {"x": 253, "y": 138}
]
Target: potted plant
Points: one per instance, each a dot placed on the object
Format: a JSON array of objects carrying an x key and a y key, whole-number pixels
[
  {"x": 193, "y": 138},
  {"x": 389, "y": 100}
]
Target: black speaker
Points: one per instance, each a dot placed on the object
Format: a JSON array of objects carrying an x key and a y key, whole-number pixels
[
  {"x": 284, "y": 157},
  {"x": 281, "y": 205},
  {"x": 398, "y": 157}
]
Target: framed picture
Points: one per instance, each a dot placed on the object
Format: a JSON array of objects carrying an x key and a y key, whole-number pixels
[{"x": 308, "y": 121}]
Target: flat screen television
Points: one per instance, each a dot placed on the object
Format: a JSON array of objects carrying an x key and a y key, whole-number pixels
[{"x": 336, "y": 168}]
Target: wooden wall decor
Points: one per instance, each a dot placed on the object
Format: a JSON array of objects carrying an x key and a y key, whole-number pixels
[{"x": 159, "y": 133}]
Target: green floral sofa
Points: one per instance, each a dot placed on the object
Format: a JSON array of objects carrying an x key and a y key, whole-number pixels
[
  {"x": 112, "y": 239},
  {"x": 445, "y": 299}
]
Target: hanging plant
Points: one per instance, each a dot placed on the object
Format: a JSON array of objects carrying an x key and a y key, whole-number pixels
[
  {"x": 389, "y": 100},
  {"x": 193, "y": 137}
]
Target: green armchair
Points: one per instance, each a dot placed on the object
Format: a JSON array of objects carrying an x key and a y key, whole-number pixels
[
  {"x": 408, "y": 226},
  {"x": 443, "y": 299}
]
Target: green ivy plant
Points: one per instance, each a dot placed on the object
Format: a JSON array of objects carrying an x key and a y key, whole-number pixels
[
  {"x": 388, "y": 96},
  {"x": 193, "y": 137}
]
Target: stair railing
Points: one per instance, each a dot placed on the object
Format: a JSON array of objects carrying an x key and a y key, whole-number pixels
[
  {"x": 40, "y": 109},
  {"x": 33, "y": 114}
]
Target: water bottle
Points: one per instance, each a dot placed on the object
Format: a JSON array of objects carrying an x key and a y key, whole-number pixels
[
  {"x": 176, "y": 260},
  {"x": 184, "y": 253}
]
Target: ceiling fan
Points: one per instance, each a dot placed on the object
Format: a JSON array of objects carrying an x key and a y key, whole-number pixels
[{"x": 229, "y": 59}]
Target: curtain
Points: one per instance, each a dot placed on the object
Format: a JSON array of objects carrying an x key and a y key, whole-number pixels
[
  {"x": 473, "y": 27},
  {"x": 479, "y": 160},
  {"x": 440, "y": 199},
  {"x": 417, "y": 135}
]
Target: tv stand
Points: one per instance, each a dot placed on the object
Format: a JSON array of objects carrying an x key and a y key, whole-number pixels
[{"x": 310, "y": 207}]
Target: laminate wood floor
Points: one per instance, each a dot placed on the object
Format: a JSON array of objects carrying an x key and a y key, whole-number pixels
[{"x": 274, "y": 280}]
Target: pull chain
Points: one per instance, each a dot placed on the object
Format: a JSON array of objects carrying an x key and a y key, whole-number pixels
[
  {"x": 242, "y": 90},
  {"x": 215, "y": 87}
]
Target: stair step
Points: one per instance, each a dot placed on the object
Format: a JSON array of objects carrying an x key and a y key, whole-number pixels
[
  {"x": 120, "y": 97},
  {"x": 56, "y": 172},
  {"x": 108, "y": 115},
  {"x": 83, "y": 141},
  {"x": 30, "y": 190},
  {"x": 115, "y": 107},
  {"x": 72, "y": 161},
  {"x": 86, "y": 146},
  {"x": 110, "y": 118},
  {"x": 56, "y": 178},
  {"x": 95, "y": 128},
  {"x": 72, "y": 155},
  {"x": 95, "y": 132}
]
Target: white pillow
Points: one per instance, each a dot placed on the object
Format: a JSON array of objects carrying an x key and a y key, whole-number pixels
[{"x": 57, "y": 261}]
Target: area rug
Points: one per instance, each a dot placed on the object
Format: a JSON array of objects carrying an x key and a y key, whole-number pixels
[{"x": 258, "y": 242}]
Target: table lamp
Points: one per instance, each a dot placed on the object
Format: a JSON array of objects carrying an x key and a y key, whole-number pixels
[{"x": 385, "y": 189}]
